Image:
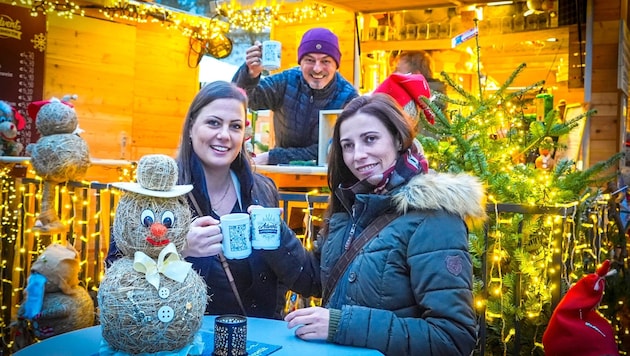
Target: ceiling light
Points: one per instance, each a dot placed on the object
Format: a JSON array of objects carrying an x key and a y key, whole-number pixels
[{"x": 499, "y": 3}]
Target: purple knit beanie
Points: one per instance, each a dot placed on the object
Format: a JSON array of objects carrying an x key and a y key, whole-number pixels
[{"x": 320, "y": 40}]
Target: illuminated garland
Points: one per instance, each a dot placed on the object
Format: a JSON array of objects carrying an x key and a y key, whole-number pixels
[
  {"x": 134, "y": 11},
  {"x": 257, "y": 19}
]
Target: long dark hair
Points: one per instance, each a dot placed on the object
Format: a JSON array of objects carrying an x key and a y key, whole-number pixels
[
  {"x": 209, "y": 93},
  {"x": 383, "y": 108}
]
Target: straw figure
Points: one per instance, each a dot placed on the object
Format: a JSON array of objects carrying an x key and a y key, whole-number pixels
[
  {"x": 54, "y": 301},
  {"x": 58, "y": 156},
  {"x": 150, "y": 299},
  {"x": 11, "y": 121}
]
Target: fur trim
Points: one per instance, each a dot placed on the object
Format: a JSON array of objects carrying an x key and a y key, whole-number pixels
[{"x": 460, "y": 194}]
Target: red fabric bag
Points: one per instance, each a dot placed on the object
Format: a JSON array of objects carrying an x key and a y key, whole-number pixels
[{"x": 575, "y": 327}]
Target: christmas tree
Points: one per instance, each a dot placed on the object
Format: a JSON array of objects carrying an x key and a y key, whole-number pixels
[{"x": 541, "y": 235}]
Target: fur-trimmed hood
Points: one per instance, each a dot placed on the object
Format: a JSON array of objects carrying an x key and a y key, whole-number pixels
[{"x": 460, "y": 194}]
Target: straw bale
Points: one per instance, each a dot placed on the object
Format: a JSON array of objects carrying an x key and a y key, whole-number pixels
[
  {"x": 129, "y": 308},
  {"x": 56, "y": 118},
  {"x": 60, "y": 157},
  {"x": 157, "y": 172}
]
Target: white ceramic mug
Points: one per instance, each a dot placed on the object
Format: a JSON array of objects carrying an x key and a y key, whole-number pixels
[
  {"x": 266, "y": 228},
  {"x": 271, "y": 55},
  {"x": 236, "y": 230}
]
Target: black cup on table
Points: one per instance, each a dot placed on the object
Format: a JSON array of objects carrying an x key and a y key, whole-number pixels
[{"x": 230, "y": 335}]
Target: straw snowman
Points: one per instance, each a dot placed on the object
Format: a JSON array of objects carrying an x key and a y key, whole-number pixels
[
  {"x": 58, "y": 156},
  {"x": 150, "y": 300}
]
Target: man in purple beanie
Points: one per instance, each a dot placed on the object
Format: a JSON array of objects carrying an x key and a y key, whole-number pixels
[{"x": 297, "y": 95}]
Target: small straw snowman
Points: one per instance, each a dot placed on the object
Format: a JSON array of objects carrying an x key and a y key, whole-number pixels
[{"x": 151, "y": 301}]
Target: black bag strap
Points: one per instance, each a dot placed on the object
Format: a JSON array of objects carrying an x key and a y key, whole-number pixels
[
  {"x": 224, "y": 263},
  {"x": 348, "y": 256}
]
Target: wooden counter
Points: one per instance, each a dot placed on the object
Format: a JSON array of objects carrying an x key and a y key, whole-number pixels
[{"x": 295, "y": 177}]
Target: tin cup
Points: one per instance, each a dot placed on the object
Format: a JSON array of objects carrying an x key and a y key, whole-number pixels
[
  {"x": 236, "y": 230},
  {"x": 265, "y": 228}
]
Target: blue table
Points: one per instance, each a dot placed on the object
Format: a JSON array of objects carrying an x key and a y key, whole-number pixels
[{"x": 85, "y": 342}]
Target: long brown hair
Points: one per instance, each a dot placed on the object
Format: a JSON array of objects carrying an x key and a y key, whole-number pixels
[
  {"x": 383, "y": 108},
  {"x": 209, "y": 93}
]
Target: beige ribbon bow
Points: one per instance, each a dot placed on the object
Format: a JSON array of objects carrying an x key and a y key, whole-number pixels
[{"x": 168, "y": 264}]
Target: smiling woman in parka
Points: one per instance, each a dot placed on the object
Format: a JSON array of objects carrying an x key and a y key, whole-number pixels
[{"x": 409, "y": 290}]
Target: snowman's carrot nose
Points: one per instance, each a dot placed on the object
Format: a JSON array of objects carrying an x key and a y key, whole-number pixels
[{"x": 158, "y": 229}]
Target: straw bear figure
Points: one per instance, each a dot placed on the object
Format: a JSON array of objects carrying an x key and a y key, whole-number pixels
[
  {"x": 11, "y": 122},
  {"x": 54, "y": 301},
  {"x": 150, "y": 299},
  {"x": 58, "y": 156}
]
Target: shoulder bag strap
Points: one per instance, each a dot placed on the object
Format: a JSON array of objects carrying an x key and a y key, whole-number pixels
[
  {"x": 224, "y": 263},
  {"x": 348, "y": 256}
]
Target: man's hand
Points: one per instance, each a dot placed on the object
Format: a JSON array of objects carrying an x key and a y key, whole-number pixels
[
  {"x": 261, "y": 158},
  {"x": 253, "y": 59},
  {"x": 312, "y": 323},
  {"x": 204, "y": 238}
]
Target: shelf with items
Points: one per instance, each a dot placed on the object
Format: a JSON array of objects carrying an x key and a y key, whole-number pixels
[
  {"x": 447, "y": 22},
  {"x": 551, "y": 38}
]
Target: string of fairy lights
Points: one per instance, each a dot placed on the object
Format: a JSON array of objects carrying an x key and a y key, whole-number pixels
[
  {"x": 81, "y": 209},
  {"x": 255, "y": 18}
]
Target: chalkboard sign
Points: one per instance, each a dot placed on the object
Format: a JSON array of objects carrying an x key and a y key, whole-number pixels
[{"x": 23, "y": 46}]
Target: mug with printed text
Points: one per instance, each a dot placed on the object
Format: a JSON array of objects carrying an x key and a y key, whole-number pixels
[
  {"x": 266, "y": 228},
  {"x": 236, "y": 230}
]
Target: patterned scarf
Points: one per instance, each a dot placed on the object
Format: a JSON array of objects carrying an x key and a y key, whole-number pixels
[{"x": 410, "y": 163}]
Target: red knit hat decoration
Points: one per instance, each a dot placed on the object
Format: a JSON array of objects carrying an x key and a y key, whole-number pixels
[
  {"x": 575, "y": 327},
  {"x": 34, "y": 107},
  {"x": 407, "y": 89}
]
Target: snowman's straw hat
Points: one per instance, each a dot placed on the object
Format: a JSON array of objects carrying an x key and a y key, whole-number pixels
[{"x": 156, "y": 175}]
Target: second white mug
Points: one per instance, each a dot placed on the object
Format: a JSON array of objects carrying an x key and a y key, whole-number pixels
[{"x": 266, "y": 228}]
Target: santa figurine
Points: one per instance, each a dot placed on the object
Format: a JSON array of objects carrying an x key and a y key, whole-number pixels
[
  {"x": 575, "y": 327},
  {"x": 545, "y": 160}
]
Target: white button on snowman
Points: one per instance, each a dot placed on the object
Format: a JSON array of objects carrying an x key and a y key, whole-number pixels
[{"x": 151, "y": 300}]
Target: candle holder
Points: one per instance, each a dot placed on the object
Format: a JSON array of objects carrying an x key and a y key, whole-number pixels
[{"x": 230, "y": 335}]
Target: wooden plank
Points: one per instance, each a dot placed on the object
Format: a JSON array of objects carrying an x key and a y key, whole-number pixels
[
  {"x": 604, "y": 80},
  {"x": 604, "y": 128},
  {"x": 605, "y": 56},
  {"x": 608, "y": 9},
  {"x": 601, "y": 150}
]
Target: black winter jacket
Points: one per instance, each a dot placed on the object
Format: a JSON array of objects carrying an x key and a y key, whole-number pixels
[{"x": 262, "y": 279}]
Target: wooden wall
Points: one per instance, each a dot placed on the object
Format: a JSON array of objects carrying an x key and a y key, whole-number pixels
[
  {"x": 606, "y": 126},
  {"x": 133, "y": 82}
]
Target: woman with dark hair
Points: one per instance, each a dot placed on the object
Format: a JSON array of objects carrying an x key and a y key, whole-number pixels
[
  {"x": 408, "y": 290},
  {"x": 212, "y": 157}
]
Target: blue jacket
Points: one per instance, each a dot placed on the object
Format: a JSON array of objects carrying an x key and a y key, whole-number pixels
[
  {"x": 295, "y": 107},
  {"x": 409, "y": 291}
]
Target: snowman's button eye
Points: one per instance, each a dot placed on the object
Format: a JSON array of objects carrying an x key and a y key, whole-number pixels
[
  {"x": 147, "y": 218},
  {"x": 168, "y": 218}
]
